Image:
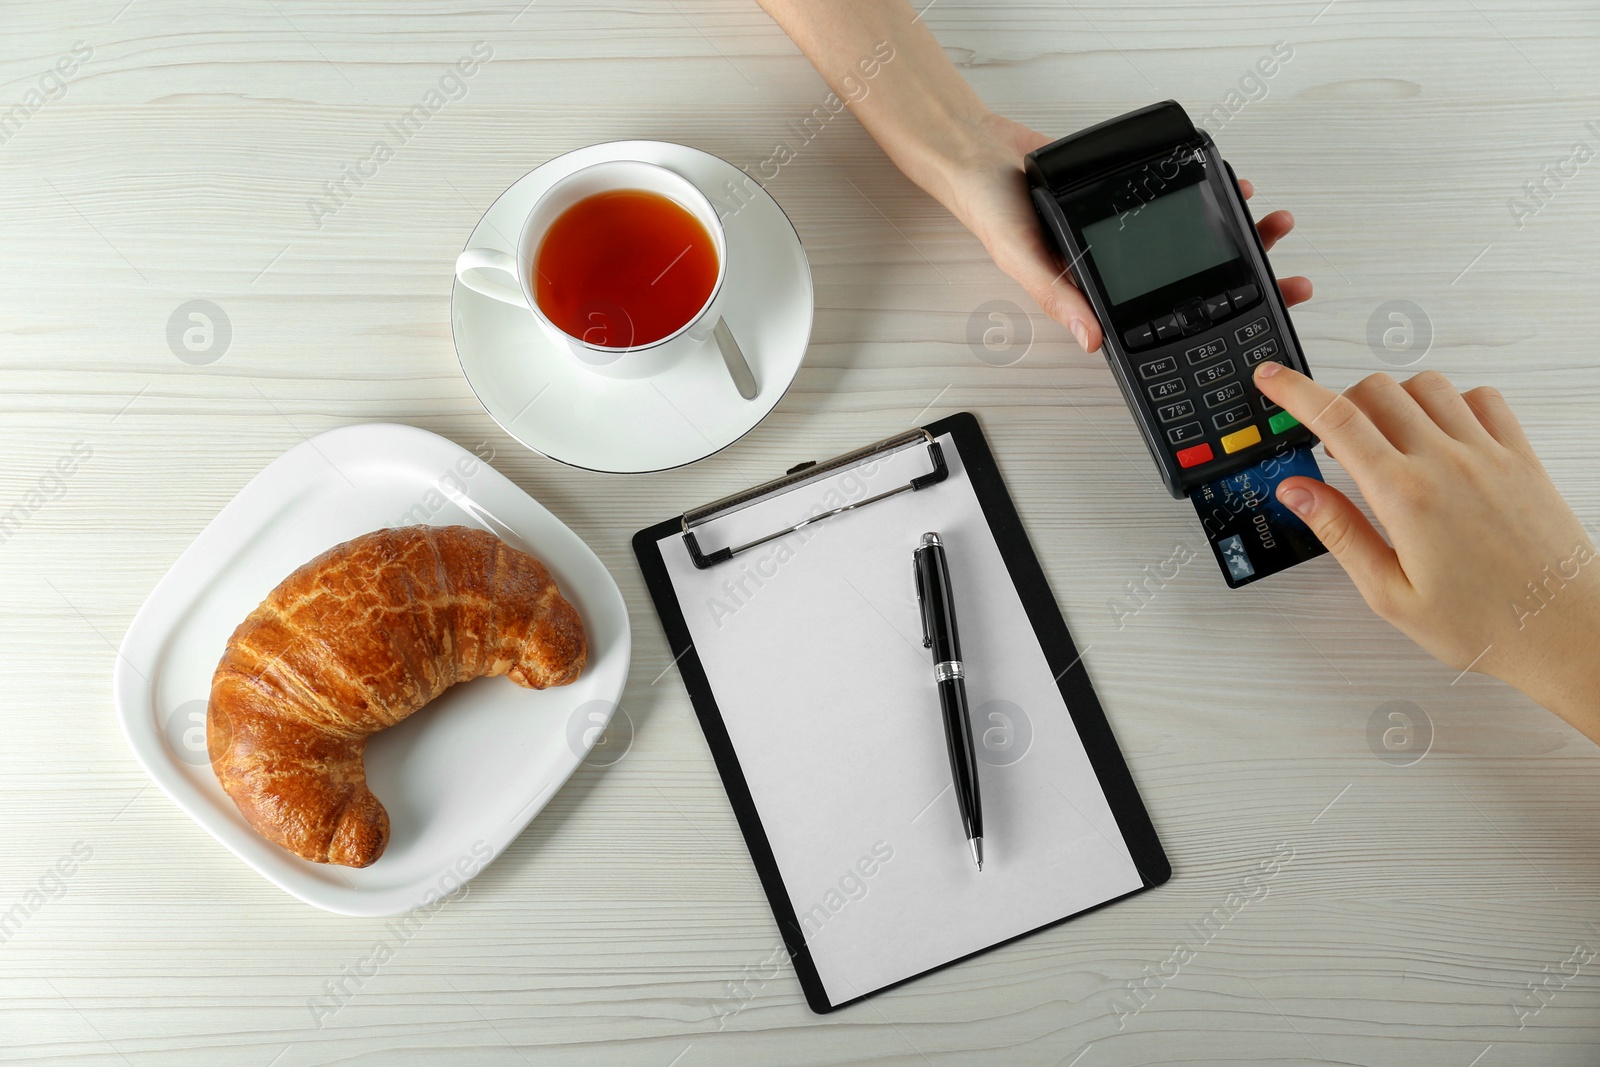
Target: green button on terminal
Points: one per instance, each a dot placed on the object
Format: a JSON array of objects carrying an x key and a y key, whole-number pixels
[{"x": 1282, "y": 421}]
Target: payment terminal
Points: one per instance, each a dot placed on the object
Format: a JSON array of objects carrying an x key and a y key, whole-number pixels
[{"x": 1149, "y": 219}]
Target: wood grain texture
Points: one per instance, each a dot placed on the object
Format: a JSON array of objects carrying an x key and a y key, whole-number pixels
[{"x": 625, "y": 925}]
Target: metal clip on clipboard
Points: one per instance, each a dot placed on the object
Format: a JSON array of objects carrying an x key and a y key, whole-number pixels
[{"x": 800, "y": 475}]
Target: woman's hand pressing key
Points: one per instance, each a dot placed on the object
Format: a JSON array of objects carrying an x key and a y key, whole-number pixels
[{"x": 1485, "y": 565}]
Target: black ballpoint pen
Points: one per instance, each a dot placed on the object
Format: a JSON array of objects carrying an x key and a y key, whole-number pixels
[{"x": 939, "y": 633}]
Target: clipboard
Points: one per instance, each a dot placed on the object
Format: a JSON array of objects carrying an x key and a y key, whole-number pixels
[{"x": 801, "y": 652}]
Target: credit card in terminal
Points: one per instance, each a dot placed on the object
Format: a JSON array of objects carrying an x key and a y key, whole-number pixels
[{"x": 1251, "y": 533}]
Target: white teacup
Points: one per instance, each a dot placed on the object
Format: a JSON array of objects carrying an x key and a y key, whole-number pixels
[{"x": 475, "y": 268}]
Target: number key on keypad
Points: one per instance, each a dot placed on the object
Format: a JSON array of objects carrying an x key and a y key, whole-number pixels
[
  {"x": 1164, "y": 365},
  {"x": 1217, "y": 397},
  {"x": 1162, "y": 390},
  {"x": 1169, "y": 412},
  {"x": 1246, "y": 334},
  {"x": 1210, "y": 350},
  {"x": 1231, "y": 417},
  {"x": 1214, "y": 373},
  {"x": 1265, "y": 350}
]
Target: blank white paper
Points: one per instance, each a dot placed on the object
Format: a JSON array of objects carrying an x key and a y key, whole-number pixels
[{"x": 813, "y": 647}]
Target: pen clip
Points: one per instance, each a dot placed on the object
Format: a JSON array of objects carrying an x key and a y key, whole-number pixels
[{"x": 922, "y": 597}]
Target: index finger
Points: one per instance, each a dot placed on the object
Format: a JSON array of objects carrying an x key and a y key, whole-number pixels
[{"x": 1350, "y": 436}]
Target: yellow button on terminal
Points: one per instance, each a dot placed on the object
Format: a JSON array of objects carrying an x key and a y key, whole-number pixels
[{"x": 1241, "y": 439}]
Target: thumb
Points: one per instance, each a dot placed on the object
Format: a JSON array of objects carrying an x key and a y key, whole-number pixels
[{"x": 1348, "y": 537}]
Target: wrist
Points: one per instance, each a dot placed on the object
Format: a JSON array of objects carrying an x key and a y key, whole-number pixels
[
  {"x": 940, "y": 145},
  {"x": 1557, "y": 659}
]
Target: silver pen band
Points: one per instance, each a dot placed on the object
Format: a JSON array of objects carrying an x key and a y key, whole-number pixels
[{"x": 945, "y": 670}]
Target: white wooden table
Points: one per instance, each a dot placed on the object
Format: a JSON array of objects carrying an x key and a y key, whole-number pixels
[{"x": 176, "y": 163}]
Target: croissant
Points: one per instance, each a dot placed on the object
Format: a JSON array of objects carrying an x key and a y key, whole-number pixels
[{"x": 353, "y": 642}]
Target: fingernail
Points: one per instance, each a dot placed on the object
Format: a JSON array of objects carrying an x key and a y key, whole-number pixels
[
  {"x": 1267, "y": 370},
  {"x": 1080, "y": 333},
  {"x": 1297, "y": 500}
]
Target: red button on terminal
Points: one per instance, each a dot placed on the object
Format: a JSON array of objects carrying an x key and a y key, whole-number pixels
[{"x": 1194, "y": 455}]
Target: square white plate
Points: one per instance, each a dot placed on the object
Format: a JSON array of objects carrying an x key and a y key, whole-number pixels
[{"x": 461, "y": 777}]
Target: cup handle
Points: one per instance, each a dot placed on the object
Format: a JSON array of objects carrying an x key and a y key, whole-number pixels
[{"x": 486, "y": 259}]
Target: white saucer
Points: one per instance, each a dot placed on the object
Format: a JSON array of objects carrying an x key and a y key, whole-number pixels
[{"x": 547, "y": 400}]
